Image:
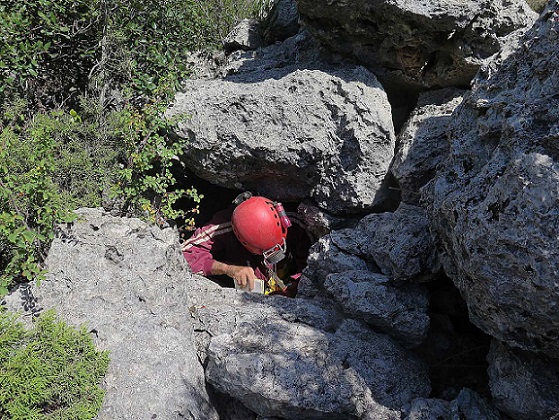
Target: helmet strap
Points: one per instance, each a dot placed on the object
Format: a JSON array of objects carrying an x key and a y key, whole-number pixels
[{"x": 275, "y": 254}]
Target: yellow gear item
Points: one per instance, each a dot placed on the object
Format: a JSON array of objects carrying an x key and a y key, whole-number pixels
[{"x": 272, "y": 286}]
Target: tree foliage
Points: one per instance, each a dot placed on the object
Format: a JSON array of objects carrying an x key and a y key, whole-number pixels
[
  {"x": 83, "y": 85},
  {"x": 47, "y": 48}
]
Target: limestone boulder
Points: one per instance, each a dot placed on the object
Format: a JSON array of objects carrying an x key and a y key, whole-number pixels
[
  {"x": 468, "y": 405},
  {"x": 126, "y": 282},
  {"x": 423, "y": 142},
  {"x": 281, "y": 22},
  {"x": 295, "y": 132},
  {"x": 367, "y": 270},
  {"x": 494, "y": 202},
  {"x": 245, "y": 36},
  {"x": 400, "y": 312},
  {"x": 299, "y": 358},
  {"x": 417, "y": 44},
  {"x": 398, "y": 244},
  {"x": 523, "y": 385}
]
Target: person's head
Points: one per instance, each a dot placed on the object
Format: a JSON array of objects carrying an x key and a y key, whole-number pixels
[{"x": 261, "y": 226}]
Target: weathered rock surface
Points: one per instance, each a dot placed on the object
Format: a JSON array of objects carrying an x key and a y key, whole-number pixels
[
  {"x": 370, "y": 297},
  {"x": 524, "y": 385},
  {"x": 298, "y": 52},
  {"x": 537, "y": 5},
  {"x": 245, "y": 36},
  {"x": 398, "y": 243},
  {"x": 291, "y": 133},
  {"x": 423, "y": 143},
  {"x": 282, "y": 22},
  {"x": 319, "y": 222},
  {"x": 366, "y": 271},
  {"x": 495, "y": 201},
  {"x": 127, "y": 282},
  {"x": 297, "y": 359},
  {"x": 468, "y": 405},
  {"x": 417, "y": 43}
]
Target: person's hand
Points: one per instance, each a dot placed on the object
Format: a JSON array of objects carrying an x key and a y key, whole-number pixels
[{"x": 243, "y": 276}]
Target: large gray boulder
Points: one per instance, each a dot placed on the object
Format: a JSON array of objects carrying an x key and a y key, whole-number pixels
[
  {"x": 421, "y": 44},
  {"x": 299, "y": 359},
  {"x": 399, "y": 243},
  {"x": 400, "y": 312},
  {"x": 524, "y": 386},
  {"x": 245, "y": 36},
  {"x": 127, "y": 283},
  {"x": 291, "y": 133},
  {"x": 281, "y": 22},
  {"x": 423, "y": 142},
  {"x": 494, "y": 203}
]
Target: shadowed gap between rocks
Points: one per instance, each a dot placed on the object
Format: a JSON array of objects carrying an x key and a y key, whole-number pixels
[{"x": 455, "y": 350}]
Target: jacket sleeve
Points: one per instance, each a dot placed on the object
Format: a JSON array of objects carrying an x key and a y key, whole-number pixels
[{"x": 207, "y": 242}]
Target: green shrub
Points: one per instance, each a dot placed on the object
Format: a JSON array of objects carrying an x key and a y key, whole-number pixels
[
  {"x": 224, "y": 15},
  {"x": 146, "y": 182},
  {"x": 146, "y": 44},
  {"x": 51, "y": 371},
  {"x": 47, "y": 48},
  {"x": 49, "y": 166},
  {"x": 51, "y": 48},
  {"x": 29, "y": 201}
]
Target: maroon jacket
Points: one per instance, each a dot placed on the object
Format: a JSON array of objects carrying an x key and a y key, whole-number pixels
[{"x": 216, "y": 242}]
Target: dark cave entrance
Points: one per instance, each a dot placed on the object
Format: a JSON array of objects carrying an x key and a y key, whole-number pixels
[
  {"x": 215, "y": 199},
  {"x": 276, "y": 270}
]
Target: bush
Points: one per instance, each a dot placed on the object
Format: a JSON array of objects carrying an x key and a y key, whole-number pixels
[
  {"x": 144, "y": 46},
  {"x": 52, "y": 371},
  {"x": 49, "y": 166},
  {"x": 47, "y": 49},
  {"x": 146, "y": 181}
]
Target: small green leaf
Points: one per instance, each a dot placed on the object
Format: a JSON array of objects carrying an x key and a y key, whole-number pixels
[{"x": 29, "y": 236}]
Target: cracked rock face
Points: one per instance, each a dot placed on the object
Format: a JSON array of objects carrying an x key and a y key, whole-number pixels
[
  {"x": 299, "y": 358},
  {"x": 400, "y": 312},
  {"x": 423, "y": 141},
  {"x": 399, "y": 244},
  {"x": 421, "y": 44},
  {"x": 467, "y": 405},
  {"x": 495, "y": 202},
  {"x": 523, "y": 385},
  {"x": 367, "y": 271}
]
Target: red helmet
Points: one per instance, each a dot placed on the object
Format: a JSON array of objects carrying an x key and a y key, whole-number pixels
[{"x": 261, "y": 226}]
